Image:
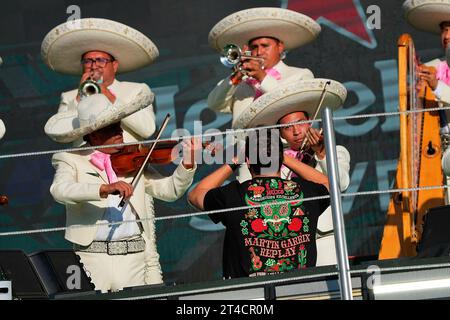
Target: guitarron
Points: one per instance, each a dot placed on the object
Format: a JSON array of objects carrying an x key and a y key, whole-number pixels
[{"x": 419, "y": 163}]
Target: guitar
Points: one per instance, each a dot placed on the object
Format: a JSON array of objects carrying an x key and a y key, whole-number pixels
[{"x": 256, "y": 261}]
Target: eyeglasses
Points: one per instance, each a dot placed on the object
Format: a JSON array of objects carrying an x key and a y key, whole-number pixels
[{"x": 100, "y": 62}]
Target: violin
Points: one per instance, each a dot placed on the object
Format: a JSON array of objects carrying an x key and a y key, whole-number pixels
[
  {"x": 131, "y": 158},
  {"x": 307, "y": 157},
  {"x": 307, "y": 154},
  {"x": 140, "y": 170},
  {"x": 3, "y": 200}
]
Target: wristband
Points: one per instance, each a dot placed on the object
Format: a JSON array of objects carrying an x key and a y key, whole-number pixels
[
  {"x": 234, "y": 81},
  {"x": 233, "y": 166}
]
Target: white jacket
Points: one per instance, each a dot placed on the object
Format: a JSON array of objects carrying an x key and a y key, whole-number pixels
[
  {"x": 442, "y": 91},
  {"x": 343, "y": 159},
  {"x": 77, "y": 183},
  {"x": 138, "y": 126},
  {"x": 234, "y": 99}
]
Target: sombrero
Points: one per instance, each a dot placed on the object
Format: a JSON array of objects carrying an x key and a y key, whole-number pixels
[
  {"x": 94, "y": 112},
  {"x": 63, "y": 46},
  {"x": 293, "y": 28},
  {"x": 302, "y": 95},
  {"x": 2, "y": 129},
  {"x": 427, "y": 15}
]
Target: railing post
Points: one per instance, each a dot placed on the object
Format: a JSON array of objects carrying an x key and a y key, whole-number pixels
[{"x": 336, "y": 206}]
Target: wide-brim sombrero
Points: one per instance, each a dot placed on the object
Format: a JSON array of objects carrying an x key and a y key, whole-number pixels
[
  {"x": 302, "y": 95},
  {"x": 291, "y": 27},
  {"x": 2, "y": 129},
  {"x": 427, "y": 15},
  {"x": 64, "y": 45},
  {"x": 93, "y": 112}
]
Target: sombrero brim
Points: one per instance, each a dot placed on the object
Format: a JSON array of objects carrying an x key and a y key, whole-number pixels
[
  {"x": 2, "y": 129},
  {"x": 293, "y": 28},
  {"x": 64, "y": 127},
  {"x": 426, "y": 15},
  {"x": 63, "y": 46},
  {"x": 303, "y": 95}
]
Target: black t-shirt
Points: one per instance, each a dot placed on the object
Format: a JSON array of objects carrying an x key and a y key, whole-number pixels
[{"x": 274, "y": 237}]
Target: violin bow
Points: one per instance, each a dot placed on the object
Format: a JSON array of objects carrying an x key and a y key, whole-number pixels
[
  {"x": 141, "y": 169},
  {"x": 322, "y": 97}
]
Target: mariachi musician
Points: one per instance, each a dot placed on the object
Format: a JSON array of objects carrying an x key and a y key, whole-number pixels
[
  {"x": 266, "y": 33},
  {"x": 434, "y": 17},
  {"x": 292, "y": 103},
  {"x": 98, "y": 50},
  {"x": 419, "y": 164},
  {"x": 89, "y": 185}
]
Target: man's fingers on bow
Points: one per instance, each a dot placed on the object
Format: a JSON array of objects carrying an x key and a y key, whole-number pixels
[
  {"x": 315, "y": 134},
  {"x": 124, "y": 188}
]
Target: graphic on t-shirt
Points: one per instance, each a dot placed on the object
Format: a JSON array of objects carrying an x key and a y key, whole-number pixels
[{"x": 277, "y": 232}]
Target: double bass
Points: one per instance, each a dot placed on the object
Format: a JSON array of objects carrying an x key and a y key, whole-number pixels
[{"x": 419, "y": 162}]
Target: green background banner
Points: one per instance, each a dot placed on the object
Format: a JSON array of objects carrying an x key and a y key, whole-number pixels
[{"x": 347, "y": 50}]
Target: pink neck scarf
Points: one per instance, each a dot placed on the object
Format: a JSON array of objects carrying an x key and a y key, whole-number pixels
[
  {"x": 443, "y": 72},
  {"x": 103, "y": 162},
  {"x": 256, "y": 84},
  {"x": 295, "y": 154}
]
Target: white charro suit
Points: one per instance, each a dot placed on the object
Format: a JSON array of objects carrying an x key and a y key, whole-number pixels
[
  {"x": 326, "y": 249},
  {"x": 442, "y": 92},
  {"x": 136, "y": 127},
  {"x": 76, "y": 185},
  {"x": 234, "y": 99}
]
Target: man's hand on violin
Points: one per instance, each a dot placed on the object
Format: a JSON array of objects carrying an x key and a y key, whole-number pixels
[
  {"x": 192, "y": 148},
  {"x": 427, "y": 74},
  {"x": 315, "y": 141},
  {"x": 121, "y": 188}
]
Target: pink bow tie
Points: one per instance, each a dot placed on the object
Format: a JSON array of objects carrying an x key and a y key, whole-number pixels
[
  {"x": 256, "y": 84},
  {"x": 103, "y": 162},
  {"x": 443, "y": 72},
  {"x": 295, "y": 154}
]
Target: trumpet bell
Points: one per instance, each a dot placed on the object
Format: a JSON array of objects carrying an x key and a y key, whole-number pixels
[
  {"x": 231, "y": 55},
  {"x": 88, "y": 88}
]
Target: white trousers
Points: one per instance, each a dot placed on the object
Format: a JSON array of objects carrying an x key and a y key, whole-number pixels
[{"x": 113, "y": 273}]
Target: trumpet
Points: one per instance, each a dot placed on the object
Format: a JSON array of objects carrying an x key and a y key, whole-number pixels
[
  {"x": 91, "y": 86},
  {"x": 88, "y": 88},
  {"x": 232, "y": 54}
]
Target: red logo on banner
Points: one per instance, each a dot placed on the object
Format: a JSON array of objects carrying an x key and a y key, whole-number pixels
[{"x": 344, "y": 16}]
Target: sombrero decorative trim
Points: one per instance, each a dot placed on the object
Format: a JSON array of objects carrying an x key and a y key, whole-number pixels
[
  {"x": 2, "y": 129},
  {"x": 293, "y": 28},
  {"x": 302, "y": 95},
  {"x": 94, "y": 112},
  {"x": 427, "y": 15},
  {"x": 64, "y": 45}
]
